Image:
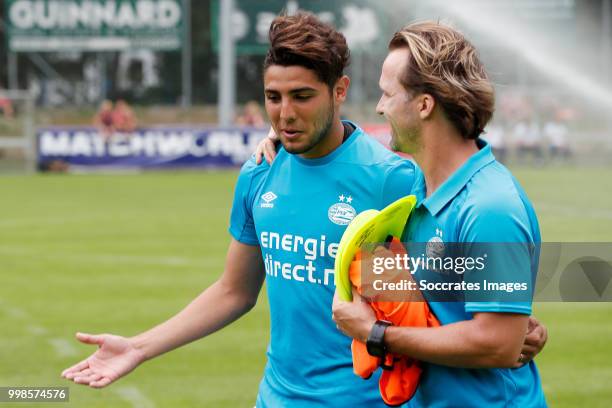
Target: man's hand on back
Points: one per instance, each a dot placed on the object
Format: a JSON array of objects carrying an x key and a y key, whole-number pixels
[
  {"x": 267, "y": 148},
  {"x": 535, "y": 340}
]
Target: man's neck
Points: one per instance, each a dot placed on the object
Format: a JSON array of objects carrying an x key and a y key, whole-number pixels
[
  {"x": 330, "y": 142},
  {"x": 442, "y": 153}
]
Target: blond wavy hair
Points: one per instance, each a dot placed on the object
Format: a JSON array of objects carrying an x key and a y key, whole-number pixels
[{"x": 444, "y": 64}]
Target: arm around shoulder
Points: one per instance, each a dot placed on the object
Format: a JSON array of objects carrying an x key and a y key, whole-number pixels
[{"x": 489, "y": 340}]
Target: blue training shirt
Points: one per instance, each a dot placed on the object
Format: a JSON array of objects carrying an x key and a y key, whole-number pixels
[
  {"x": 480, "y": 203},
  {"x": 296, "y": 210}
]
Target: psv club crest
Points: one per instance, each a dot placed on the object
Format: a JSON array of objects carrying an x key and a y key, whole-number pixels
[{"x": 342, "y": 212}]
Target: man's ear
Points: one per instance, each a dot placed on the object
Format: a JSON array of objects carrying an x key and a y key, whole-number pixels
[
  {"x": 426, "y": 106},
  {"x": 341, "y": 88}
]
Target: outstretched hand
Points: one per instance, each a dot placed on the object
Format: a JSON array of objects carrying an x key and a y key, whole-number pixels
[{"x": 116, "y": 356}]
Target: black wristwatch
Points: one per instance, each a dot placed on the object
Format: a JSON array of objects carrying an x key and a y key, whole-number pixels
[{"x": 376, "y": 339}]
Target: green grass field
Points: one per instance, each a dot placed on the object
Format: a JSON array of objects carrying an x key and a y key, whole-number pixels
[{"x": 118, "y": 254}]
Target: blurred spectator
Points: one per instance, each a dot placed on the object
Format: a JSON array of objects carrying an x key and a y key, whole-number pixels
[
  {"x": 124, "y": 119},
  {"x": 251, "y": 115},
  {"x": 528, "y": 138},
  {"x": 6, "y": 106},
  {"x": 103, "y": 120},
  {"x": 494, "y": 134},
  {"x": 54, "y": 166},
  {"x": 555, "y": 132}
]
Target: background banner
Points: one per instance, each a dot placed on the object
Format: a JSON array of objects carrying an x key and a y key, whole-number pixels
[
  {"x": 148, "y": 147},
  {"x": 72, "y": 25}
]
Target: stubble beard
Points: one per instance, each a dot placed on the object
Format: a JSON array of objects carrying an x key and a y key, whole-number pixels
[
  {"x": 409, "y": 143},
  {"x": 322, "y": 130}
]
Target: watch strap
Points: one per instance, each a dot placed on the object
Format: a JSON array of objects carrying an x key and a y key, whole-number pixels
[{"x": 375, "y": 343}]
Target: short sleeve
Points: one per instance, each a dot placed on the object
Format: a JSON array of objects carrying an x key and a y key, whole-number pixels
[
  {"x": 242, "y": 226},
  {"x": 499, "y": 231},
  {"x": 398, "y": 183}
]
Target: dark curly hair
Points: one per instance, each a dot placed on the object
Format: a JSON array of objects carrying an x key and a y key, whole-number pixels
[{"x": 304, "y": 40}]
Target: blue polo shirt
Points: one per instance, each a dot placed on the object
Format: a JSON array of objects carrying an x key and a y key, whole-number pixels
[{"x": 480, "y": 203}]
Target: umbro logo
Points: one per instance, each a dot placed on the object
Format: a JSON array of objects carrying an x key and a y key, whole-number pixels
[{"x": 268, "y": 198}]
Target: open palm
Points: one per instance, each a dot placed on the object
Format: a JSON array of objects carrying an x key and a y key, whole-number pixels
[{"x": 115, "y": 357}]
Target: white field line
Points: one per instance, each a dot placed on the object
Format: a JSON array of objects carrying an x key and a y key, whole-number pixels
[
  {"x": 581, "y": 212},
  {"x": 134, "y": 396},
  {"x": 63, "y": 347},
  {"x": 36, "y": 330},
  {"x": 110, "y": 258},
  {"x": 16, "y": 313},
  {"x": 55, "y": 220}
]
